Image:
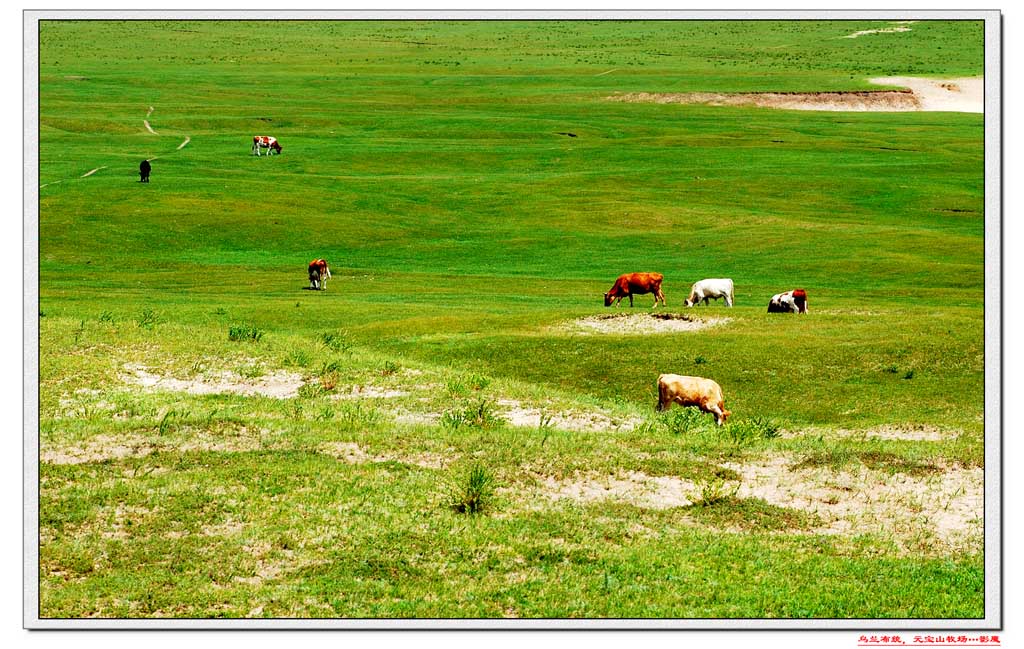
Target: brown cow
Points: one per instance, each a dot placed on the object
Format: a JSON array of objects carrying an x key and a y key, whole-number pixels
[
  {"x": 692, "y": 391},
  {"x": 319, "y": 273},
  {"x": 635, "y": 284}
]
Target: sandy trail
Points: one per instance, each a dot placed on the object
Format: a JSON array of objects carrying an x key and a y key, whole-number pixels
[
  {"x": 182, "y": 145},
  {"x": 89, "y": 173},
  {"x": 148, "y": 127}
]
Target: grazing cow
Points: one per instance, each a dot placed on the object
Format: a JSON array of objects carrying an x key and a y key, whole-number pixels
[
  {"x": 794, "y": 301},
  {"x": 319, "y": 273},
  {"x": 635, "y": 284},
  {"x": 144, "y": 169},
  {"x": 711, "y": 289},
  {"x": 265, "y": 142},
  {"x": 692, "y": 391}
]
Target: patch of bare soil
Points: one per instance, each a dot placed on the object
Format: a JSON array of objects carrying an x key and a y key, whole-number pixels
[
  {"x": 631, "y": 487},
  {"x": 942, "y": 510},
  {"x": 516, "y": 414},
  {"x": 884, "y": 30},
  {"x": 352, "y": 453},
  {"x": 962, "y": 95},
  {"x": 101, "y": 448},
  {"x": 869, "y": 100},
  {"x": 278, "y": 384},
  {"x": 915, "y": 94},
  {"x": 641, "y": 323},
  {"x": 370, "y": 392}
]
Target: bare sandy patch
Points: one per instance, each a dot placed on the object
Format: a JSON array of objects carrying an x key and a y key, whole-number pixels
[
  {"x": 632, "y": 487},
  {"x": 943, "y": 510},
  {"x": 641, "y": 323},
  {"x": 916, "y": 94},
  {"x": 867, "y": 100},
  {"x": 352, "y": 453},
  {"x": 278, "y": 384},
  {"x": 961, "y": 95},
  {"x": 883, "y": 30},
  {"x": 96, "y": 449},
  {"x": 518, "y": 415},
  {"x": 370, "y": 392},
  {"x": 946, "y": 508}
]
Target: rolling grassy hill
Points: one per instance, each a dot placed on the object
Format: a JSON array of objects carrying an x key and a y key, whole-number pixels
[{"x": 432, "y": 164}]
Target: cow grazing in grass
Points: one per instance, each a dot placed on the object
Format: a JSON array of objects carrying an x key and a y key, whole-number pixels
[
  {"x": 794, "y": 301},
  {"x": 265, "y": 142},
  {"x": 144, "y": 169},
  {"x": 635, "y": 284},
  {"x": 711, "y": 289},
  {"x": 319, "y": 273},
  {"x": 692, "y": 391}
]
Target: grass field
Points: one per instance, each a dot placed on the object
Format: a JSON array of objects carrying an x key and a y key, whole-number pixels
[{"x": 217, "y": 441}]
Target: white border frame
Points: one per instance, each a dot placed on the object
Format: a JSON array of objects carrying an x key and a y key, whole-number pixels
[{"x": 993, "y": 330}]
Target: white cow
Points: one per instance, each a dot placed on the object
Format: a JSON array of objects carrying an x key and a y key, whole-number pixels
[{"x": 711, "y": 289}]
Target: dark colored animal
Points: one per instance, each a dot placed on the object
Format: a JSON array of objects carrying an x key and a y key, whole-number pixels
[
  {"x": 144, "y": 169},
  {"x": 692, "y": 391},
  {"x": 635, "y": 284},
  {"x": 319, "y": 273}
]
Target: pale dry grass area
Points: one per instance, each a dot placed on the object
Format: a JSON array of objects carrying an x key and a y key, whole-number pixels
[
  {"x": 279, "y": 384},
  {"x": 515, "y": 413},
  {"x": 942, "y": 511},
  {"x": 641, "y": 323}
]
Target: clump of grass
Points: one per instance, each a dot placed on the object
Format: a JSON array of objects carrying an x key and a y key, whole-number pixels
[
  {"x": 840, "y": 457},
  {"x": 891, "y": 369},
  {"x": 700, "y": 360},
  {"x": 753, "y": 514},
  {"x": 106, "y": 316},
  {"x": 245, "y": 332},
  {"x": 148, "y": 319},
  {"x": 746, "y": 431},
  {"x": 482, "y": 415},
  {"x": 680, "y": 421},
  {"x": 220, "y": 311},
  {"x": 335, "y": 340},
  {"x": 713, "y": 491},
  {"x": 357, "y": 415},
  {"x": 456, "y": 388},
  {"x": 311, "y": 391},
  {"x": 909, "y": 375},
  {"x": 298, "y": 358},
  {"x": 390, "y": 368},
  {"x": 473, "y": 492},
  {"x": 478, "y": 382}
]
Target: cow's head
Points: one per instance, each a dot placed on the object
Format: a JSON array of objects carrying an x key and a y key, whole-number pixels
[
  {"x": 725, "y": 415},
  {"x": 689, "y": 301},
  {"x": 276, "y": 146},
  {"x": 608, "y": 299}
]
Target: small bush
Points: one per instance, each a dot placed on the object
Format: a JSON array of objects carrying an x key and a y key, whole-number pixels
[
  {"x": 700, "y": 360},
  {"x": 748, "y": 430},
  {"x": 474, "y": 492},
  {"x": 679, "y": 421},
  {"x": 245, "y": 332}
]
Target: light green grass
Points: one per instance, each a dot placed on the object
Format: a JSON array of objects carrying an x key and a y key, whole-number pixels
[{"x": 425, "y": 162}]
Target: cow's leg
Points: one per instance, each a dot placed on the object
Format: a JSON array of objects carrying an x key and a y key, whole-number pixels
[{"x": 631, "y": 300}]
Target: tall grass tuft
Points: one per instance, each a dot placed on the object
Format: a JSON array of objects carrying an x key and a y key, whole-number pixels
[
  {"x": 245, "y": 332},
  {"x": 474, "y": 492}
]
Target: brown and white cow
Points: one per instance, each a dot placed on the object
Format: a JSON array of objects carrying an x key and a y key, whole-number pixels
[
  {"x": 319, "y": 273},
  {"x": 794, "y": 301},
  {"x": 692, "y": 391},
  {"x": 635, "y": 284},
  {"x": 267, "y": 142}
]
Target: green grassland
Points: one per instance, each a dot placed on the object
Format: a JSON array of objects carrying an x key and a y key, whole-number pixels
[{"x": 429, "y": 163}]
